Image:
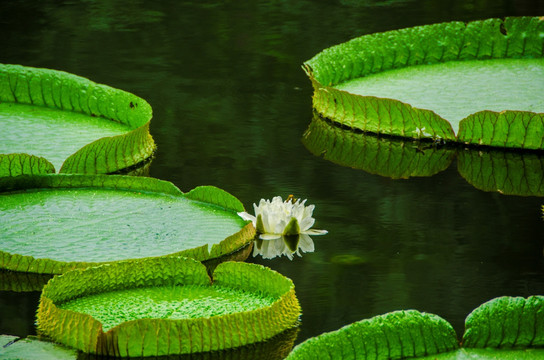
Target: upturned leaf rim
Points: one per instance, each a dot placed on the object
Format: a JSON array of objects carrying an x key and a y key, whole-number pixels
[
  {"x": 72, "y": 93},
  {"x": 156, "y": 337},
  {"x": 513, "y": 37}
]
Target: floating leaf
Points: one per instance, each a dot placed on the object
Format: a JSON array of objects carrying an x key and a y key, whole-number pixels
[
  {"x": 503, "y": 328},
  {"x": 55, "y": 223},
  {"x": 396, "y": 83},
  {"x": 395, "y": 335},
  {"x": 95, "y": 128},
  {"x": 33, "y": 349},
  {"x": 388, "y": 157},
  {"x": 506, "y": 322},
  {"x": 24, "y": 164},
  {"x": 167, "y": 305}
]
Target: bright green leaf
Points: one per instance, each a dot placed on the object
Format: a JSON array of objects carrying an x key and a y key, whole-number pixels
[
  {"x": 413, "y": 82},
  {"x": 167, "y": 305},
  {"x": 24, "y": 164},
  {"x": 506, "y": 322},
  {"x": 98, "y": 128},
  {"x": 59, "y": 222},
  {"x": 395, "y": 335}
]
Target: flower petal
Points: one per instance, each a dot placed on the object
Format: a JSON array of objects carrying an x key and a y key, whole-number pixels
[
  {"x": 315, "y": 232},
  {"x": 306, "y": 223},
  {"x": 246, "y": 216},
  {"x": 306, "y": 244}
]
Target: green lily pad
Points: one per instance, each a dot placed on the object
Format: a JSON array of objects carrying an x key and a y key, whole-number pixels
[
  {"x": 504, "y": 328},
  {"x": 24, "y": 164},
  {"x": 484, "y": 78},
  {"x": 167, "y": 305},
  {"x": 394, "y": 158},
  {"x": 33, "y": 349},
  {"x": 506, "y": 322},
  {"x": 395, "y": 335},
  {"x": 55, "y": 223},
  {"x": 95, "y": 128}
]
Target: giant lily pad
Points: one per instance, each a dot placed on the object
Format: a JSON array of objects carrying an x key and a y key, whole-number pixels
[
  {"x": 503, "y": 328},
  {"x": 505, "y": 171},
  {"x": 165, "y": 306},
  {"x": 54, "y": 223},
  {"x": 95, "y": 128},
  {"x": 12, "y": 347},
  {"x": 483, "y": 79}
]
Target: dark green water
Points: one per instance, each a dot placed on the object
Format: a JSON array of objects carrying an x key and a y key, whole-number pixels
[{"x": 231, "y": 103}]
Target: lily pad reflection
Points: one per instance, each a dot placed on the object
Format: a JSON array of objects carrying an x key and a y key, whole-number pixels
[
  {"x": 385, "y": 156},
  {"x": 508, "y": 172},
  {"x": 22, "y": 281}
]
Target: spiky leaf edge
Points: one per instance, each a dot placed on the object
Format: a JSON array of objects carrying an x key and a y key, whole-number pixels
[{"x": 155, "y": 337}]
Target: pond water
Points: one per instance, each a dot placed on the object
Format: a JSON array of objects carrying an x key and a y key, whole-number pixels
[{"x": 231, "y": 104}]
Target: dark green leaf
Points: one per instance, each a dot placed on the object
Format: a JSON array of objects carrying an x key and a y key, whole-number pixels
[{"x": 389, "y": 157}]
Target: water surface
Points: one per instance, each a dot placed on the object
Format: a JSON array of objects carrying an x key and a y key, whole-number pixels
[{"x": 231, "y": 103}]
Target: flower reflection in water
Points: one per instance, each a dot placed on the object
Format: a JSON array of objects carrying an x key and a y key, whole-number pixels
[{"x": 285, "y": 245}]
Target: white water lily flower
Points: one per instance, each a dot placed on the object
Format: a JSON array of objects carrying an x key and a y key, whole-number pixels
[{"x": 276, "y": 218}]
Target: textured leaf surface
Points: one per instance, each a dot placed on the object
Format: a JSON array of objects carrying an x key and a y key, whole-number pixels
[
  {"x": 61, "y": 222},
  {"x": 457, "y": 89},
  {"x": 171, "y": 328},
  {"x": 33, "y": 349},
  {"x": 40, "y": 107},
  {"x": 510, "y": 173},
  {"x": 506, "y": 322},
  {"x": 24, "y": 164},
  {"x": 395, "y": 335},
  {"x": 388, "y": 157},
  {"x": 493, "y": 43},
  {"x": 512, "y": 129}
]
